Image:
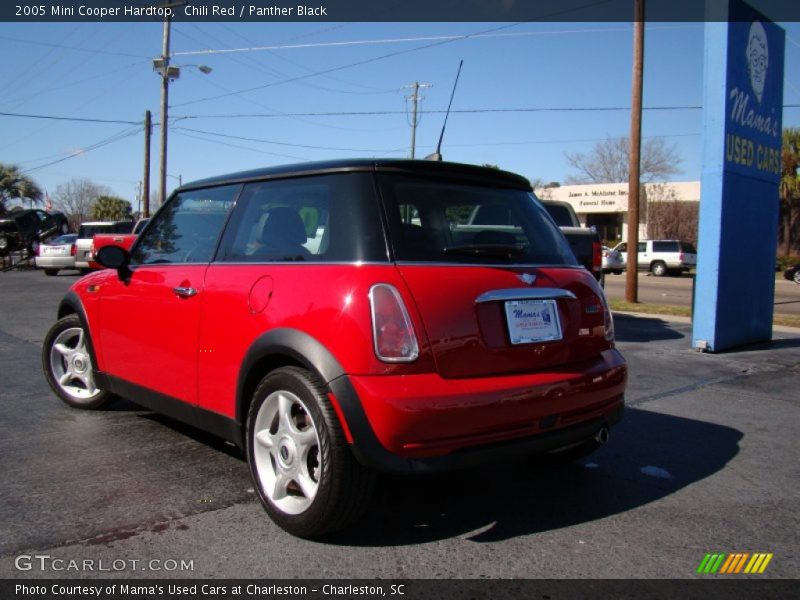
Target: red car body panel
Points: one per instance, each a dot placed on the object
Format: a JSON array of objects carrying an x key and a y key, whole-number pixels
[
  {"x": 257, "y": 298},
  {"x": 149, "y": 335}
]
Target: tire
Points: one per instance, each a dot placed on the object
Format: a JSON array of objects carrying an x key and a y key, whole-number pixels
[
  {"x": 307, "y": 478},
  {"x": 84, "y": 271},
  {"x": 51, "y": 272},
  {"x": 68, "y": 365},
  {"x": 658, "y": 268},
  {"x": 796, "y": 277}
]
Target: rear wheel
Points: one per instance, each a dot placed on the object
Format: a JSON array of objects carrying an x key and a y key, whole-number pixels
[
  {"x": 658, "y": 268},
  {"x": 68, "y": 365},
  {"x": 796, "y": 276},
  {"x": 305, "y": 474}
]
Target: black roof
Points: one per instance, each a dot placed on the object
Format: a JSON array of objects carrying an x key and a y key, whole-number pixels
[{"x": 441, "y": 170}]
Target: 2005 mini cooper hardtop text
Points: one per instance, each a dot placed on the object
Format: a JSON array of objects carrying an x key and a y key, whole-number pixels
[{"x": 338, "y": 319}]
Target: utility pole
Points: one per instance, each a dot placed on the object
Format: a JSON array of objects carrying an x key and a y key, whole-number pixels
[
  {"x": 415, "y": 98},
  {"x": 631, "y": 281},
  {"x": 162, "y": 175},
  {"x": 148, "y": 130}
]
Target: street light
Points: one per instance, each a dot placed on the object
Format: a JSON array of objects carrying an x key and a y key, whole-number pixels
[{"x": 168, "y": 73}]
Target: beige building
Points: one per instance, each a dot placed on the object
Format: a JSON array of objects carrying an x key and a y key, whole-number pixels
[{"x": 605, "y": 205}]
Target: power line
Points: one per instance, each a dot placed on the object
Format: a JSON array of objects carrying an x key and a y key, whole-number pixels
[
  {"x": 263, "y": 141},
  {"x": 76, "y": 119},
  {"x": 438, "y": 111},
  {"x": 221, "y": 143},
  {"x": 127, "y": 132},
  {"x": 347, "y": 66},
  {"x": 404, "y": 40},
  {"x": 75, "y": 48}
]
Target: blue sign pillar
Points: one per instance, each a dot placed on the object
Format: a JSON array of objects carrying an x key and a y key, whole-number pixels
[{"x": 738, "y": 233}]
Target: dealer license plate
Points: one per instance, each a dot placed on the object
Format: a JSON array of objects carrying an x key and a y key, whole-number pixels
[{"x": 532, "y": 321}]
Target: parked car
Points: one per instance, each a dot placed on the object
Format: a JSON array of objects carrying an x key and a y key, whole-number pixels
[
  {"x": 400, "y": 338},
  {"x": 584, "y": 241},
  {"x": 56, "y": 254},
  {"x": 87, "y": 231},
  {"x": 792, "y": 273},
  {"x": 662, "y": 257},
  {"x": 612, "y": 261},
  {"x": 125, "y": 240},
  {"x": 22, "y": 230}
]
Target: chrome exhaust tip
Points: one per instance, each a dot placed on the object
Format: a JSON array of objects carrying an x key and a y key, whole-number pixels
[{"x": 602, "y": 436}]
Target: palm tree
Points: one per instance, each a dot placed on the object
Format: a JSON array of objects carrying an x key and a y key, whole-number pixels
[
  {"x": 15, "y": 185},
  {"x": 789, "y": 186}
]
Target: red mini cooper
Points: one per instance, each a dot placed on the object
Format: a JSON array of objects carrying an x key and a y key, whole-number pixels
[{"x": 341, "y": 318}]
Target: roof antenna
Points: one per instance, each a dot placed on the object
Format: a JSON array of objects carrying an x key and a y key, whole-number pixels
[{"x": 437, "y": 156}]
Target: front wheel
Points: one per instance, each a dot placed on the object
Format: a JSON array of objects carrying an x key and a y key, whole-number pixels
[
  {"x": 68, "y": 365},
  {"x": 306, "y": 476},
  {"x": 796, "y": 277}
]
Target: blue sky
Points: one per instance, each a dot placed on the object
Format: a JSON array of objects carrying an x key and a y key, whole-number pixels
[{"x": 104, "y": 71}]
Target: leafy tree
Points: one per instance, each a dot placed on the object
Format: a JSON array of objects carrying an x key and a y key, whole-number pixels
[
  {"x": 111, "y": 208},
  {"x": 789, "y": 189},
  {"x": 76, "y": 198},
  {"x": 609, "y": 161},
  {"x": 16, "y": 186}
]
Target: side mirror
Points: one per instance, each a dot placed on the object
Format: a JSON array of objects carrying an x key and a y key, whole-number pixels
[{"x": 114, "y": 257}]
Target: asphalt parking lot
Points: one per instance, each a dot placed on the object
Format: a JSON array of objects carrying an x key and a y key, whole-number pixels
[{"x": 704, "y": 461}]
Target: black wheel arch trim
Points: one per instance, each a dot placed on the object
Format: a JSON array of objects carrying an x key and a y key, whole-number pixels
[
  {"x": 71, "y": 304},
  {"x": 283, "y": 343}
]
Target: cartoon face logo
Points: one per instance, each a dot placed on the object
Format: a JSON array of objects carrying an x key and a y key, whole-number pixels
[{"x": 757, "y": 58}]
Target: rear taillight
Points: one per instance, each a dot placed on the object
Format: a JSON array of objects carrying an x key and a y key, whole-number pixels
[
  {"x": 73, "y": 250},
  {"x": 38, "y": 250},
  {"x": 680, "y": 257},
  {"x": 608, "y": 320},
  {"x": 597, "y": 256},
  {"x": 392, "y": 331}
]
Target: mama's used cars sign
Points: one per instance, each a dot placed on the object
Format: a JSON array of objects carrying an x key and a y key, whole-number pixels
[
  {"x": 742, "y": 115},
  {"x": 755, "y": 95}
]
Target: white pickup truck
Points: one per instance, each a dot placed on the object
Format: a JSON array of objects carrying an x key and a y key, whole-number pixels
[{"x": 87, "y": 231}]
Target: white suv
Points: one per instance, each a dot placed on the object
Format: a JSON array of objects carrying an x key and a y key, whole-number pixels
[{"x": 662, "y": 257}]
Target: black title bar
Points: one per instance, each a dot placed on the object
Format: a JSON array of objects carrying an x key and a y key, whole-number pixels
[{"x": 379, "y": 10}]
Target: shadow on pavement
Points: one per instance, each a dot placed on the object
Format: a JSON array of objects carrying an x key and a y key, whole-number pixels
[
  {"x": 650, "y": 456},
  {"x": 630, "y": 328}
]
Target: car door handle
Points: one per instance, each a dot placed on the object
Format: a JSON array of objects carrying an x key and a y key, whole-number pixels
[{"x": 185, "y": 292}]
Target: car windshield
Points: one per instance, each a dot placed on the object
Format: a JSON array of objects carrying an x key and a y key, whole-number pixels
[{"x": 442, "y": 221}]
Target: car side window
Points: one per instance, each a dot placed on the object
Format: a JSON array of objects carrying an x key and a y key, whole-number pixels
[
  {"x": 642, "y": 247},
  {"x": 326, "y": 218},
  {"x": 186, "y": 230}
]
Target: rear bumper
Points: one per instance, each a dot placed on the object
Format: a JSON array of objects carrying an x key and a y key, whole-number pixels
[
  {"x": 55, "y": 262},
  {"x": 426, "y": 423}
]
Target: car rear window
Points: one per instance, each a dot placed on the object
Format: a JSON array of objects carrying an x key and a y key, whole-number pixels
[
  {"x": 688, "y": 248},
  {"x": 560, "y": 214},
  {"x": 64, "y": 239},
  {"x": 441, "y": 221},
  {"x": 89, "y": 231}
]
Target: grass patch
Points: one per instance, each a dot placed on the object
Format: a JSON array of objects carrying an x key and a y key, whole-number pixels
[{"x": 682, "y": 311}]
